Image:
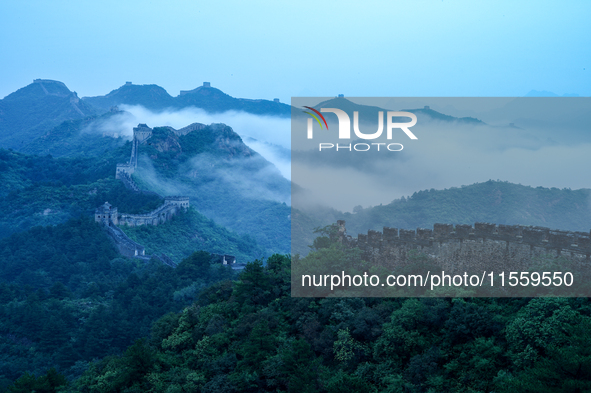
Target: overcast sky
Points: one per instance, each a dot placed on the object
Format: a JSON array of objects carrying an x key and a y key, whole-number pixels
[{"x": 280, "y": 49}]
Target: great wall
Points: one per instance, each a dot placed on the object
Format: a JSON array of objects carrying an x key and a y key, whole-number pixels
[
  {"x": 482, "y": 246},
  {"x": 111, "y": 219},
  {"x": 74, "y": 100}
]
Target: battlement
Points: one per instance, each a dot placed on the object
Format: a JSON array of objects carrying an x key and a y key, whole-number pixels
[
  {"x": 171, "y": 206},
  {"x": 142, "y": 133},
  {"x": 223, "y": 259},
  {"x": 106, "y": 213},
  {"x": 483, "y": 245},
  {"x": 108, "y": 216},
  {"x": 180, "y": 201},
  {"x": 578, "y": 242},
  {"x": 124, "y": 169},
  {"x": 229, "y": 260},
  {"x": 126, "y": 246},
  {"x": 205, "y": 84}
]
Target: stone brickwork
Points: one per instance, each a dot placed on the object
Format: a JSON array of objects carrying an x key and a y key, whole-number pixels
[
  {"x": 482, "y": 246},
  {"x": 106, "y": 213},
  {"x": 172, "y": 205},
  {"x": 142, "y": 133},
  {"x": 109, "y": 217},
  {"x": 124, "y": 170},
  {"x": 126, "y": 246}
]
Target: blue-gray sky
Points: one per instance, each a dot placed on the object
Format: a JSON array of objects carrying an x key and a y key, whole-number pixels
[{"x": 275, "y": 48}]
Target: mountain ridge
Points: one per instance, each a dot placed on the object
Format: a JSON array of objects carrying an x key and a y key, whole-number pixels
[
  {"x": 495, "y": 202},
  {"x": 204, "y": 97},
  {"x": 36, "y": 108}
]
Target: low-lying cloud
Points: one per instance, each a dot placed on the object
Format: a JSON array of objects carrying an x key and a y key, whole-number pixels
[
  {"x": 267, "y": 135},
  {"x": 443, "y": 156}
]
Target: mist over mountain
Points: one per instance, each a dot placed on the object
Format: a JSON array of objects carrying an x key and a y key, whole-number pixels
[
  {"x": 149, "y": 96},
  {"x": 279, "y": 155},
  {"x": 45, "y": 191},
  {"x": 36, "y": 108},
  {"x": 272, "y": 133},
  {"x": 225, "y": 179},
  {"x": 90, "y": 136},
  {"x": 367, "y": 113},
  {"x": 205, "y": 97},
  {"x": 497, "y": 202},
  {"x": 32, "y": 118}
]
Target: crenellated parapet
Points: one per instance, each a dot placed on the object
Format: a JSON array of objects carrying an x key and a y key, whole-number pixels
[
  {"x": 106, "y": 213},
  {"x": 110, "y": 218},
  {"x": 172, "y": 205},
  {"x": 126, "y": 246},
  {"x": 178, "y": 201},
  {"x": 142, "y": 133},
  {"x": 458, "y": 244},
  {"x": 124, "y": 171}
]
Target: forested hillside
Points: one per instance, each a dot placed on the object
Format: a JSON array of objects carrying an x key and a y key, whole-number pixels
[
  {"x": 492, "y": 201},
  {"x": 225, "y": 179},
  {"x": 76, "y": 316},
  {"x": 67, "y": 297},
  {"x": 251, "y": 336},
  {"x": 34, "y": 109},
  {"x": 496, "y": 202}
]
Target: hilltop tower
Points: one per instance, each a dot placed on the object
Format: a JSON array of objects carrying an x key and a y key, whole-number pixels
[
  {"x": 142, "y": 133},
  {"x": 178, "y": 201},
  {"x": 106, "y": 214}
]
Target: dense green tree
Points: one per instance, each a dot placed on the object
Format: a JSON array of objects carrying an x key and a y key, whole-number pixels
[
  {"x": 254, "y": 287},
  {"x": 51, "y": 382}
]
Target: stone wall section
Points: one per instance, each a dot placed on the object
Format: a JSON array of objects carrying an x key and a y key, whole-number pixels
[
  {"x": 482, "y": 246},
  {"x": 109, "y": 217},
  {"x": 172, "y": 205},
  {"x": 126, "y": 246}
]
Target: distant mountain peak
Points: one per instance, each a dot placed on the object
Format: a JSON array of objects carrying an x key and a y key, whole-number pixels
[
  {"x": 54, "y": 88},
  {"x": 201, "y": 89},
  {"x": 206, "y": 97},
  {"x": 35, "y": 109},
  {"x": 41, "y": 88},
  {"x": 130, "y": 87},
  {"x": 149, "y": 96},
  {"x": 365, "y": 110}
]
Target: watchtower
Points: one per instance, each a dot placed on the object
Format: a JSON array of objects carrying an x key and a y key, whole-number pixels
[
  {"x": 179, "y": 201},
  {"x": 142, "y": 132},
  {"x": 106, "y": 214}
]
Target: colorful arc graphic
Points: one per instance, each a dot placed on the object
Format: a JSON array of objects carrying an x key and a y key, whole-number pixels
[{"x": 319, "y": 114}]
